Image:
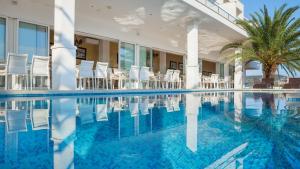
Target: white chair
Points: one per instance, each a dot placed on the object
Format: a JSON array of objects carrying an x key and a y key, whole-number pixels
[
  {"x": 134, "y": 76},
  {"x": 167, "y": 79},
  {"x": 227, "y": 82},
  {"x": 101, "y": 72},
  {"x": 116, "y": 75},
  {"x": 145, "y": 76},
  {"x": 176, "y": 81},
  {"x": 16, "y": 65},
  {"x": 214, "y": 80},
  {"x": 39, "y": 68},
  {"x": 85, "y": 73}
]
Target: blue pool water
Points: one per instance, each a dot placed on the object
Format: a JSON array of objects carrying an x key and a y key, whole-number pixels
[{"x": 194, "y": 130}]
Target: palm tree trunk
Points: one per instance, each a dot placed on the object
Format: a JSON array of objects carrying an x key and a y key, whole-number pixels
[{"x": 269, "y": 75}]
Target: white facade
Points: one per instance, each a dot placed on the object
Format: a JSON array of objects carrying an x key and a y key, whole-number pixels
[{"x": 160, "y": 24}]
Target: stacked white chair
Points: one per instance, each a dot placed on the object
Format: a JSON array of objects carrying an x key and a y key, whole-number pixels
[
  {"x": 227, "y": 82},
  {"x": 167, "y": 79},
  {"x": 134, "y": 76},
  {"x": 214, "y": 80},
  {"x": 85, "y": 73},
  {"x": 39, "y": 68},
  {"x": 145, "y": 76},
  {"x": 176, "y": 81},
  {"x": 16, "y": 65},
  {"x": 101, "y": 72}
]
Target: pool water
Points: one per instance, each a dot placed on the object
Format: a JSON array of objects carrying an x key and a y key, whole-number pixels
[{"x": 194, "y": 130}]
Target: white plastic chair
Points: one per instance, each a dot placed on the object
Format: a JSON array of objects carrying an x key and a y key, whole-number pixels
[
  {"x": 145, "y": 76},
  {"x": 16, "y": 65},
  {"x": 167, "y": 79},
  {"x": 227, "y": 82},
  {"x": 39, "y": 68},
  {"x": 85, "y": 72},
  {"x": 176, "y": 81},
  {"x": 214, "y": 80},
  {"x": 101, "y": 72},
  {"x": 134, "y": 76}
]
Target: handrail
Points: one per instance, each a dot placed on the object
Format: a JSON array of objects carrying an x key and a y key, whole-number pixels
[{"x": 216, "y": 8}]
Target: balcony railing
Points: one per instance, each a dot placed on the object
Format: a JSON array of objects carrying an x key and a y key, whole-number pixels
[{"x": 216, "y": 8}]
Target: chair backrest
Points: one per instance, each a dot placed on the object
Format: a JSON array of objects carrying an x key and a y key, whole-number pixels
[
  {"x": 168, "y": 75},
  {"x": 86, "y": 68},
  {"x": 214, "y": 77},
  {"x": 16, "y": 63},
  {"x": 134, "y": 73},
  {"x": 145, "y": 73},
  {"x": 40, "y": 65},
  {"x": 176, "y": 75},
  {"x": 227, "y": 78},
  {"x": 101, "y": 70}
]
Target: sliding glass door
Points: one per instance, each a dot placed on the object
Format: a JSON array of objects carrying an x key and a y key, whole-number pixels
[
  {"x": 145, "y": 56},
  {"x": 127, "y": 56},
  {"x": 33, "y": 39},
  {"x": 2, "y": 39}
]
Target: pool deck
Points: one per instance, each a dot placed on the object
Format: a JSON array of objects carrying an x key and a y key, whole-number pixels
[{"x": 47, "y": 93}]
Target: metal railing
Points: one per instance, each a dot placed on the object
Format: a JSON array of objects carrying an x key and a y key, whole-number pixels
[{"x": 216, "y": 8}]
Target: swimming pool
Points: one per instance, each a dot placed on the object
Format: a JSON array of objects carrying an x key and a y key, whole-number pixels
[{"x": 191, "y": 130}]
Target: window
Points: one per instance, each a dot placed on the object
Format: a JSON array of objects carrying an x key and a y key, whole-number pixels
[
  {"x": 222, "y": 70},
  {"x": 2, "y": 39},
  {"x": 33, "y": 39},
  {"x": 127, "y": 56},
  {"x": 145, "y": 56}
]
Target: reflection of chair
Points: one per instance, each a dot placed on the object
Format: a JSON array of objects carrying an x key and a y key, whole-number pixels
[
  {"x": 134, "y": 106},
  {"x": 101, "y": 111},
  {"x": 16, "y": 121},
  {"x": 39, "y": 117},
  {"x": 253, "y": 107},
  {"x": 176, "y": 102},
  {"x": 86, "y": 113},
  {"x": 144, "y": 106}
]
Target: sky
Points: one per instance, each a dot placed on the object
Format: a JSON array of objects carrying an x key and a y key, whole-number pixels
[
  {"x": 255, "y": 5},
  {"x": 251, "y": 6}
]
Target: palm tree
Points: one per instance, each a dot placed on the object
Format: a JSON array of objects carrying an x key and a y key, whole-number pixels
[{"x": 272, "y": 41}]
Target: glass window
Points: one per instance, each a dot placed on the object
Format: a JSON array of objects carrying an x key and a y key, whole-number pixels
[
  {"x": 127, "y": 55},
  {"x": 33, "y": 39},
  {"x": 222, "y": 70},
  {"x": 2, "y": 39},
  {"x": 145, "y": 56}
]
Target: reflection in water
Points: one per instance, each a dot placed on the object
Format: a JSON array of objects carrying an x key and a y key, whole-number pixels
[{"x": 195, "y": 130}]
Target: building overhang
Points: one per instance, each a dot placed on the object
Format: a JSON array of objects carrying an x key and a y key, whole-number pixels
[{"x": 160, "y": 24}]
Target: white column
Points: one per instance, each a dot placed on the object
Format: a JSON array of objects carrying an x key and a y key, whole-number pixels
[
  {"x": 162, "y": 62},
  {"x": 192, "y": 110},
  {"x": 104, "y": 50},
  {"x": 238, "y": 72},
  {"x": 63, "y": 132},
  {"x": 192, "y": 66},
  {"x": 63, "y": 50}
]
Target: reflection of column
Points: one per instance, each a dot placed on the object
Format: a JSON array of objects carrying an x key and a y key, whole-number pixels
[
  {"x": 63, "y": 50},
  {"x": 63, "y": 132},
  {"x": 192, "y": 109},
  {"x": 192, "y": 66},
  {"x": 162, "y": 62},
  {"x": 238, "y": 105}
]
